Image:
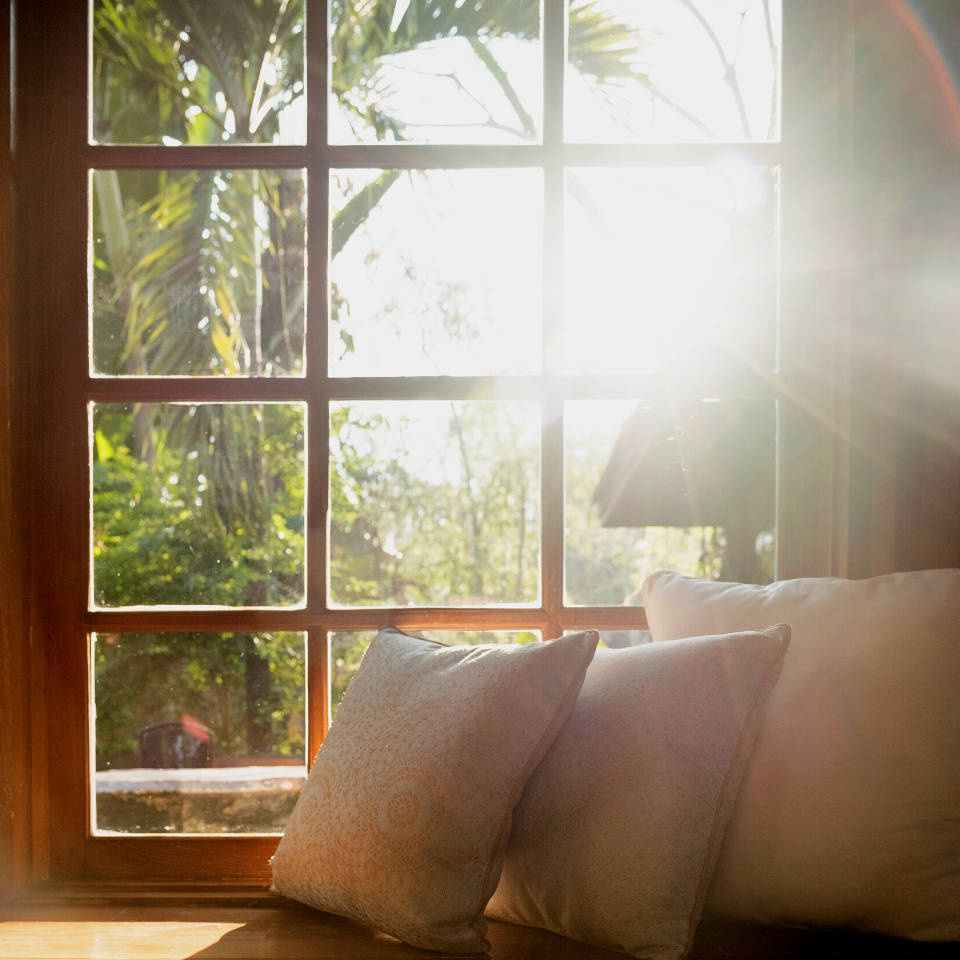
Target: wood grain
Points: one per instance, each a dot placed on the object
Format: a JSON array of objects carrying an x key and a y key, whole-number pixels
[
  {"x": 178, "y": 858},
  {"x": 14, "y": 632},
  {"x": 52, "y": 312},
  {"x": 369, "y": 618},
  {"x": 44, "y": 709},
  {"x": 179, "y": 926}
]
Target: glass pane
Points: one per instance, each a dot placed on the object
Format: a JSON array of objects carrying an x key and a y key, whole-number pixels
[
  {"x": 683, "y": 486},
  {"x": 198, "y": 72},
  {"x": 668, "y": 71},
  {"x": 434, "y": 503},
  {"x": 435, "y": 272},
  {"x": 435, "y": 71},
  {"x": 198, "y": 272},
  {"x": 198, "y": 504},
  {"x": 198, "y": 732},
  {"x": 347, "y": 650},
  {"x": 618, "y": 639},
  {"x": 670, "y": 269}
]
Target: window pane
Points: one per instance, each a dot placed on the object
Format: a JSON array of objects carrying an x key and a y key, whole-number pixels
[
  {"x": 671, "y": 72},
  {"x": 670, "y": 269},
  {"x": 347, "y": 650},
  {"x": 198, "y": 272},
  {"x": 435, "y": 272},
  {"x": 434, "y": 503},
  {"x": 198, "y": 72},
  {"x": 198, "y": 732},
  {"x": 198, "y": 504},
  {"x": 436, "y": 71},
  {"x": 684, "y": 486},
  {"x": 618, "y": 639}
]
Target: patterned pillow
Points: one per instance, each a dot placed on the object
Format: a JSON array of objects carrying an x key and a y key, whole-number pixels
[
  {"x": 403, "y": 821},
  {"x": 617, "y": 833}
]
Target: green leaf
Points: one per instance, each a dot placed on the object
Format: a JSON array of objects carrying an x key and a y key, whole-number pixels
[{"x": 104, "y": 447}]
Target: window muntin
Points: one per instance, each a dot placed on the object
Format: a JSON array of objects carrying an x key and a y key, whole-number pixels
[{"x": 545, "y": 382}]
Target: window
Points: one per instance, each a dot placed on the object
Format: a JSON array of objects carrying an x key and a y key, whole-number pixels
[{"x": 331, "y": 357}]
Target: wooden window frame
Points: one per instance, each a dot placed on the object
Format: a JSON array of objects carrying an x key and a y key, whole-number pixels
[{"x": 52, "y": 161}]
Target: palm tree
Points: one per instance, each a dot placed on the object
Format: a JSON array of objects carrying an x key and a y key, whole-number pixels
[{"x": 188, "y": 263}]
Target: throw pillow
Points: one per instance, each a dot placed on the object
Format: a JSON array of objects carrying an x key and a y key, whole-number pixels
[
  {"x": 616, "y": 835},
  {"x": 404, "y": 818},
  {"x": 849, "y": 814}
]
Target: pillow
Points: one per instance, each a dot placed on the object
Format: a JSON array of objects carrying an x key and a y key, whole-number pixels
[
  {"x": 849, "y": 814},
  {"x": 404, "y": 818},
  {"x": 617, "y": 832}
]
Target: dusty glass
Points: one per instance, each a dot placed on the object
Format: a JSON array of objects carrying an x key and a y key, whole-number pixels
[
  {"x": 198, "y": 272},
  {"x": 198, "y": 504},
  {"x": 671, "y": 269},
  {"x": 198, "y": 732},
  {"x": 673, "y": 71},
  {"x": 348, "y": 647},
  {"x": 434, "y": 503},
  {"x": 435, "y": 71},
  {"x": 687, "y": 486},
  {"x": 198, "y": 72},
  {"x": 435, "y": 272}
]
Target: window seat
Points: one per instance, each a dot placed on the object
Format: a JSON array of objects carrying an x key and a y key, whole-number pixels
[{"x": 230, "y": 922}]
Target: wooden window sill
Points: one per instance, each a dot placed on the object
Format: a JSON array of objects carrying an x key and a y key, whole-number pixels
[{"x": 168, "y": 921}]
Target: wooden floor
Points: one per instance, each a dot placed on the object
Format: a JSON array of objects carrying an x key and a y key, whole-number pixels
[{"x": 247, "y": 924}]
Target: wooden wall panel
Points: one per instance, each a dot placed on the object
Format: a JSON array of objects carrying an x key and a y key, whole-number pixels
[
  {"x": 928, "y": 410},
  {"x": 905, "y": 332},
  {"x": 812, "y": 299},
  {"x": 14, "y": 632},
  {"x": 50, "y": 219}
]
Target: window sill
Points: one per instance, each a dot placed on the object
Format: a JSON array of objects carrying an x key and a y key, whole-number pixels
[{"x": 174, "y": 921}]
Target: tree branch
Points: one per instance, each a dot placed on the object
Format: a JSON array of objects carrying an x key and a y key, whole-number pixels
[
  {"x": 489, "y": 61},
  {"x": 689, "y": 117},
  {"x": 358, "y": 209},
  {"x": 489, "y": 122},
  {"x": 729, "y": 72}
]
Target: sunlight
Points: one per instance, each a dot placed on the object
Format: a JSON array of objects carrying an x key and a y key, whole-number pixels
[
  {"x": 170, "y": 939},
  {"x": 647, "y": 276},
  {"x": 443, "y": 278}
]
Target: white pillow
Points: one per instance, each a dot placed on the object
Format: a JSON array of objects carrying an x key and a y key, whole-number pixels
[
  {"x": 404, "y": 818},
  {"x": 849, "y": 814},
  {"x": 616, "y": 835}
]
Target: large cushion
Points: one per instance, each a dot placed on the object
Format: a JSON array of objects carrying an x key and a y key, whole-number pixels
[
  {"x": 849, "y": 814},
  {"x": 404, "y": 818},
  {"x": 617, "y": 832}
]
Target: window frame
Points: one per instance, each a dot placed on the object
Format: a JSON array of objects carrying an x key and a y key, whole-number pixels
[{"x": 52, "y": 164}]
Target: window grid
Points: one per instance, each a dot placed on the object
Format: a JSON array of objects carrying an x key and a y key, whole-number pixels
[{"x": 317, "y": 389}]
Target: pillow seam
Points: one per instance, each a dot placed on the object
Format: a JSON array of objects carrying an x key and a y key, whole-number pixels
[
  {"x": 533, "y": 761},
  {"x": 703, "y": 884}
]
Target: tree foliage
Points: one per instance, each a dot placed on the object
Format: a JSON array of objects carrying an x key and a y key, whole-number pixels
[
  {"x": 202, "y": 676},
  {"x": 202, "y": 272},
  {"x": 462, "y": 528}
]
